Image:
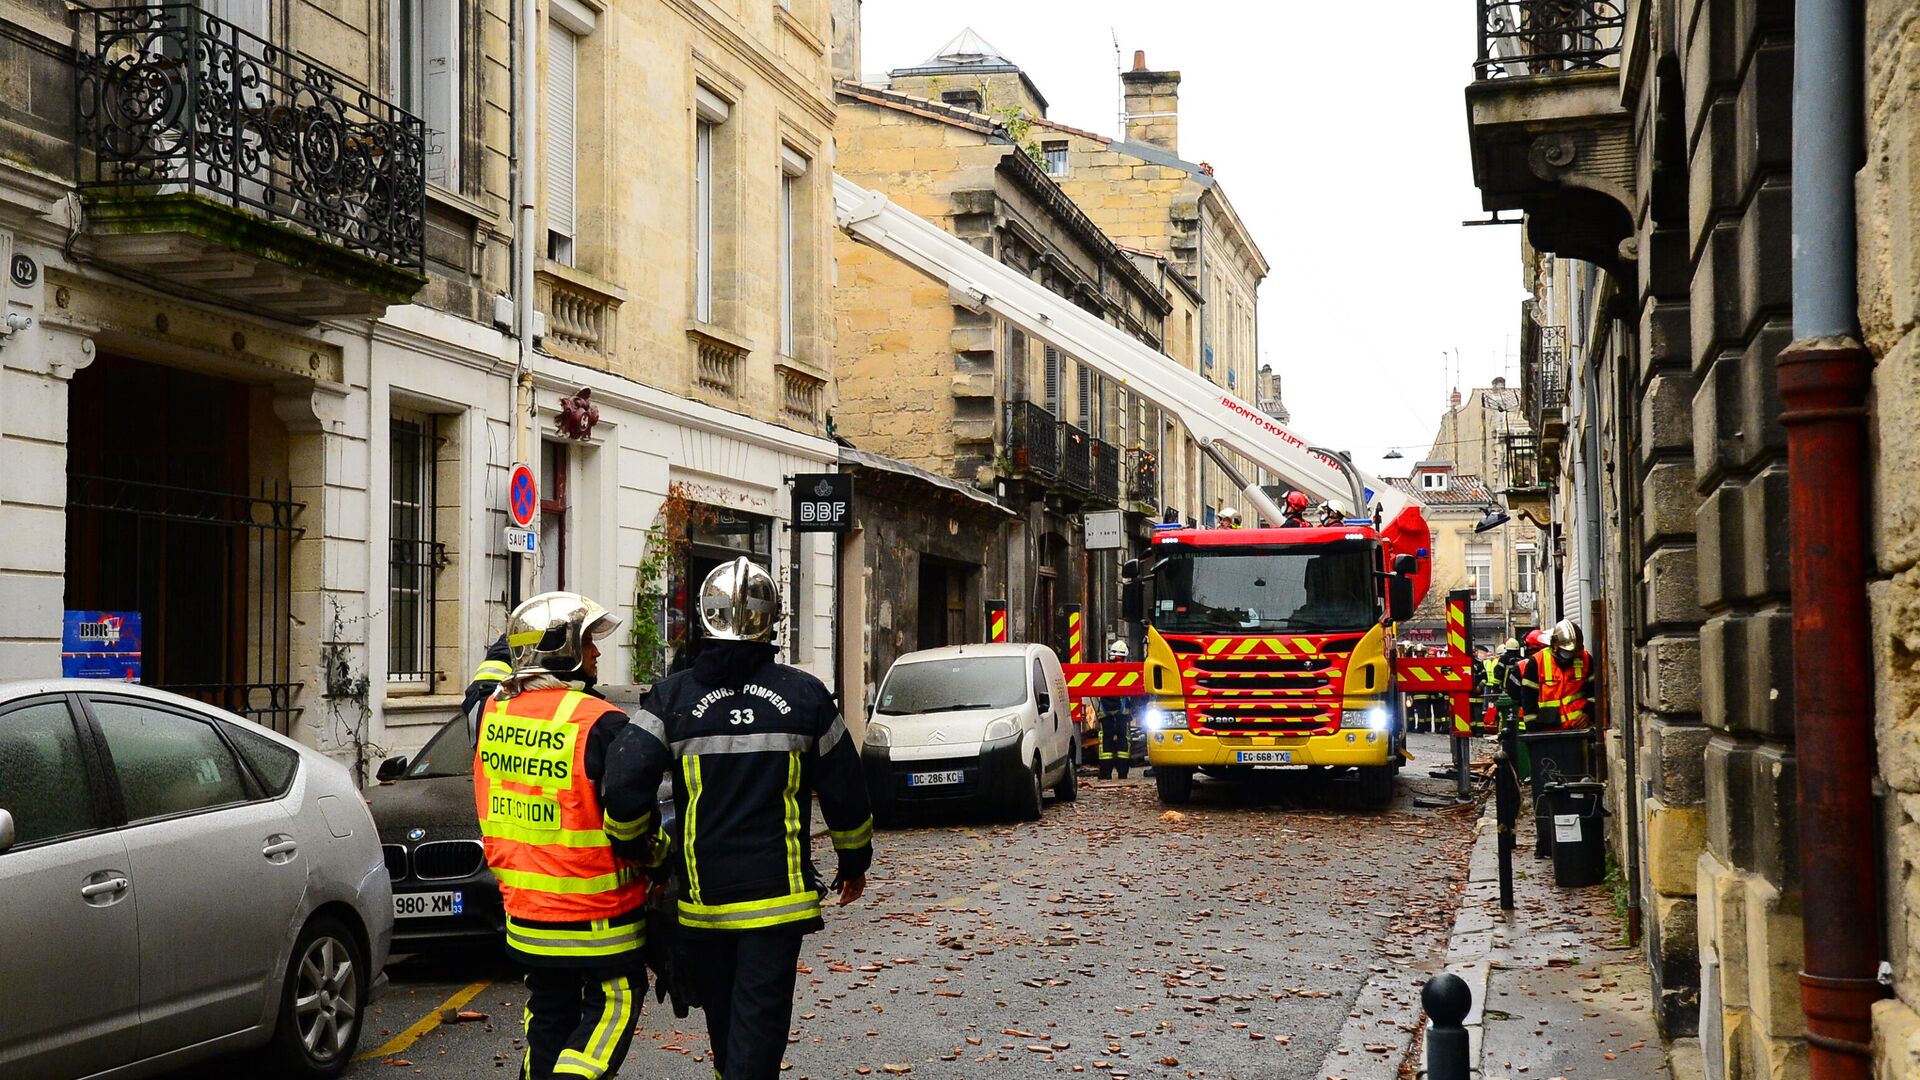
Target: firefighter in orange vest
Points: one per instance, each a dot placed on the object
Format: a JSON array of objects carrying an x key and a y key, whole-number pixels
[
  {"x": 573, "y": 877},
  {"x": 1556, "y": 683}
]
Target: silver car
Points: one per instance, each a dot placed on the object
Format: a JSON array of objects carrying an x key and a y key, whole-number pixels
[{"x": 179, "y": 883}]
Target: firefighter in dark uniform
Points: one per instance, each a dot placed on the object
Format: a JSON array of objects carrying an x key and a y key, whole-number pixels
[
  {"x": 750, "y": 743},
  {"x": 572, "y": 872},
  {"x": 1116, "y": 724}
]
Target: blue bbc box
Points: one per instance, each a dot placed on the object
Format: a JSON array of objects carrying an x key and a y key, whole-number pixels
[{"x": 101, "y": 645}]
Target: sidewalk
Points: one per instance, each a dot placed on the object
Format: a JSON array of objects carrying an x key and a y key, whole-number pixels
[{"x": 1556, "y": 990}]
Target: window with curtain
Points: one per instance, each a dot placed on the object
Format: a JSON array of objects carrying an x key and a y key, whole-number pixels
[
  {"x": 1480, "y": 573},
  {"x": 426, "y": 78},
  {"x": 414, "y": 552},
  {"x": 711, "y": 111}
]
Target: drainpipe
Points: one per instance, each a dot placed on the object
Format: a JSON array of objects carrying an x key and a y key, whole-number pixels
[
  {"x": 1824, "y": 378},
  {"x": 525, "y": 244}
]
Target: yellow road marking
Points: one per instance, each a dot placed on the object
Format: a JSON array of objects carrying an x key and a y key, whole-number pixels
[{"x": 427, "y": 1023}]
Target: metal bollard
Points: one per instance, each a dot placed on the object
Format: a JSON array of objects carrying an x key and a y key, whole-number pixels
[{"x": 1447, "y": 1000}]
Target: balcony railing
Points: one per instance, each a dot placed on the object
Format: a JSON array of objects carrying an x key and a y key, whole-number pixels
[
  {"x": 1033, "y": 440},
  {"x": 170, "y": 99},
  {"x": 1076, "y": 457},
  {"x": 1519, "y": 38},
  {"x": 1106, "y": 471},
  {"x": 1143, "y": 478}
]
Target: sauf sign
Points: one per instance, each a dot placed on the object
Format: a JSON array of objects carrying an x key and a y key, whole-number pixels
[{"x": 823, "y": 502}]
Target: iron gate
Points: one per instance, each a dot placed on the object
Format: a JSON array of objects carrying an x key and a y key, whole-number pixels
[{"x": 211, "y": 573}]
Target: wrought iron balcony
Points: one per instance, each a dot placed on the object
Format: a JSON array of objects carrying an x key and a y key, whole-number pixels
[
  {"x": 1143, "y": 479},
  {"x": 1033, "y": 440},
  {"x": 196, "y": 140},
  {"x": 1548, "y": 37},
  {"x": 1076, "y": 458},
  {"x": 1106, "y": 472},
  {"x": 1548, "y": 133}
]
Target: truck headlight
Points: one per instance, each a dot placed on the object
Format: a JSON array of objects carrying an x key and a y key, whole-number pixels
[
  {"x": 1154, "y": 718},
  {"x": 1374, "y": 719},
  {"x": 879, "y": 735},
  {"x": 1000, "y": 727}
]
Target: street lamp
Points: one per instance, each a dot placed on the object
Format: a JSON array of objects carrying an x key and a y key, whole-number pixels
[
  {"x": 1495, "y": 517},
  {"x": 1392, "y": 455}
]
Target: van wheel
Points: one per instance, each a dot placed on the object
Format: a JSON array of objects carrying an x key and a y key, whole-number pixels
[
  {"x": 1175, "y": 785},
  {"x": 1027, "y": 807},
  {"x": 321, "y": 1003},
  {"x": 1068, "y": 789}
]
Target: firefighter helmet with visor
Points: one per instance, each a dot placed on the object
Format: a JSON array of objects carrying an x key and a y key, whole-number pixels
[
  {"x": 548, "y": 634},
  {"x": 1566, "y": 637},
  {"x": 739, "y": 602}
]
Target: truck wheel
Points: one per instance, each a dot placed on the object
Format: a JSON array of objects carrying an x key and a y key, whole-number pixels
[
  {"x": 1068, "y": 789},
  {"x": 1175, "y": 785},
  {"x": 1376, "y": 786},
  {"x": 1027, "y": 805}
]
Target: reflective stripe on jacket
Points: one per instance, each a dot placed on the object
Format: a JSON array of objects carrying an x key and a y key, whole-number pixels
[
  {"x": 1563, "y": 689},
  {"x": 546, "y": 835}
]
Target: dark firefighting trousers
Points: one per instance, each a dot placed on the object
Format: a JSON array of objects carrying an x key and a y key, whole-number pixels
[
  {"x": 745, "y": 980},
  {"x": 1116, "y": 740},
  {"x": 580, "y": 1020}
]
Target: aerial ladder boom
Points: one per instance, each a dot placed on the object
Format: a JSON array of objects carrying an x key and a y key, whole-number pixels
[{"x": 1216, "y": 419}]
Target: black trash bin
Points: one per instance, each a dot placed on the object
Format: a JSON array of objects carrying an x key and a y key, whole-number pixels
[
  {"x": 1577, "y": 816},
  {"x": 1557, "y": 757}
]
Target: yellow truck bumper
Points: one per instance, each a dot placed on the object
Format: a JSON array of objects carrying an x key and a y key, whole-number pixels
[{"x": 1183, "y": 749}]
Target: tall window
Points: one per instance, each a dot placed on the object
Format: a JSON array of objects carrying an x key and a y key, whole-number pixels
[
  {"x": 711, "y": 111},
  {"x": 1056, "y": 154},
  {"x": 426, "y": 78},
  {"x": 554, "y": 477},
  {"x": 1051, "y": 387},
  {"x": 415, "y": 554},
  {"x": 563, "y": 53},
  {"x": 1480, "y": 572},
  {"x": 793, "y": 170},
  {"x": 1526, "y": 571}
]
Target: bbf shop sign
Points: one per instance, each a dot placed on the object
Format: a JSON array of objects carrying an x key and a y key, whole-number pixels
[{"x": 823, "y": 502}]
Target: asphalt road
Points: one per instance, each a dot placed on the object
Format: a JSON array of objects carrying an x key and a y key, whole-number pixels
[{"x": 1273, "y": 932}]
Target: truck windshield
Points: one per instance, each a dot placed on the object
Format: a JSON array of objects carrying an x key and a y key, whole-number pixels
[
  {"x": 1243, "y": 590},
  {"x": 931, "y": 686}
]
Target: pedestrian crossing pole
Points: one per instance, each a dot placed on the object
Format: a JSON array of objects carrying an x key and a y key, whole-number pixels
[
  {"x": 996, "y": 620},
  {"x": 1077, "y": 650},
  {"x": 1459, "y": 635}
]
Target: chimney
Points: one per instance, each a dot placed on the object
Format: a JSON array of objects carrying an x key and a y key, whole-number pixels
[
  {"x": 1153, "y": 105},
  {"x": 1499, "y": 382},
  {"x": 1453, "y": 399}
]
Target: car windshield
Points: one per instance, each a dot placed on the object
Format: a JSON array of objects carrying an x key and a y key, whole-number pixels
[
  {"x": 974, "y": 682},
  {"x": 1239, "y": 590},
  {"x": 450, "y": 753}
]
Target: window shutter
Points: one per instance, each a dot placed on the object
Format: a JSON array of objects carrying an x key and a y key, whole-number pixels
[
  {"x": 1086, "y": 396},
  {"x": 1053, "y": 381},
  {"x": 439, "y": 59},
  {"x": 562, "y": 55}
]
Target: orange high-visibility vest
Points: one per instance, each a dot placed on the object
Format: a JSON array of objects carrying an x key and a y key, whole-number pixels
[
  {"x": 1564, "y": 689},
  {"x": 540, "y": 817}
]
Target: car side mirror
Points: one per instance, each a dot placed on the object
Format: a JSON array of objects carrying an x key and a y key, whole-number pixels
[
  {"x": 391, "y": 769},
  {"x": 1406, "y": 564},
  {"x": 1400, "y": 597},
  {"x": 1043, "y": 702},
  {"x": 1129, "y": 569},
  {"x": 1133, "y": 602},
  {"x": 7, "y": 834}
]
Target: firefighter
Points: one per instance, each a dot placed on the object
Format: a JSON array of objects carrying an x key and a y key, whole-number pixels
[
  {"x": 1330, "y": 516},
  {"x": 1228, "y": 517},
  {"x": 1556, "y": 682},
  {"x": 1295, "y": 507},
  {"x": 571, "y": 868},
  {"x": 1116, "y": 724},
  {"x": 750, "y": 742}
]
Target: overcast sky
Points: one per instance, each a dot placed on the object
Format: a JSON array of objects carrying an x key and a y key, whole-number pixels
[{"x": 1344, "y": 148}]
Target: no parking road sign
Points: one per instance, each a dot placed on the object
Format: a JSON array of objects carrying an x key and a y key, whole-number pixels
[{"x": 523, "y": 496}]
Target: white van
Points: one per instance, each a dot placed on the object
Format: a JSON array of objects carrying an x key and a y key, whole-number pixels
[{"x": 982, "y": 724}]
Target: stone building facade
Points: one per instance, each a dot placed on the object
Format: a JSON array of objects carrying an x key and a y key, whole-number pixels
[
  {"x": 963, "y": 396},
  {"x": 1650, "y": 147},
  {"x": 303, "y": 400},
  {"x": 1484, "y": 434}
]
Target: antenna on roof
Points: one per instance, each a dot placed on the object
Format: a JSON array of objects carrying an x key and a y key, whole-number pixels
[{"x": 1120, "y": 88}]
